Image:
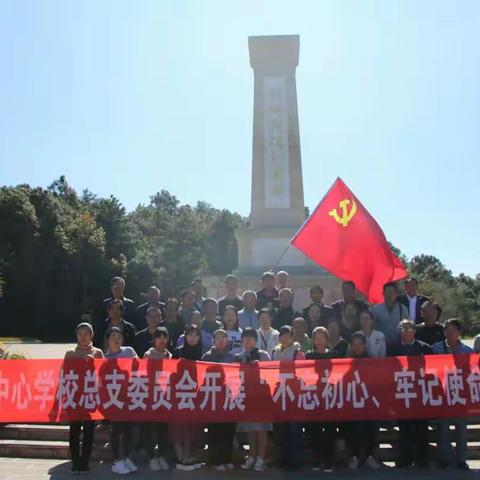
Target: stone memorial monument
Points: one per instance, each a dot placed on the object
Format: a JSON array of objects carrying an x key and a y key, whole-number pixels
[
  {"x": 278, "y": 208},
  {"x": 277, "y": 202}
]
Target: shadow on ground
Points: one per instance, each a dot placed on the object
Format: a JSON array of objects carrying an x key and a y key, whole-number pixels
[{"x": 102, "y": 471}]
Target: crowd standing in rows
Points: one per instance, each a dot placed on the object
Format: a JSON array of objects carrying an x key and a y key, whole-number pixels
[{"x": 263, "y": 326}]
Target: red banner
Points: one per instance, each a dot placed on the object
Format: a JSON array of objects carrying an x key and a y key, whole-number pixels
[{"x": 178, "y": 390}]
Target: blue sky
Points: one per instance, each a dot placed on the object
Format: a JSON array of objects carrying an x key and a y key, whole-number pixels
[{"x": 130, "y": 97}]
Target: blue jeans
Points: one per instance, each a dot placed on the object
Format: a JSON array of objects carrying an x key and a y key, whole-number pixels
[{"x": 446, "y": 452}]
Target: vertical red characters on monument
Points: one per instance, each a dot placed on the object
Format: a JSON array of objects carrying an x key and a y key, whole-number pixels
[{"x": 345, "y": 239}]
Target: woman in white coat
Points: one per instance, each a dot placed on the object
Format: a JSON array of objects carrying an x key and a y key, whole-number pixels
[{"x": 267, "y": 336}]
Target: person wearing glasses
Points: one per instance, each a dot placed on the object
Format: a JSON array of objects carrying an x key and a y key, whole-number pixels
[{"x": 413, "y": 434}]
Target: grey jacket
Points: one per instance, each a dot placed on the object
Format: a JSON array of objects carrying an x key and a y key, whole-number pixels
[
  {"x": 218, "y": 357},
  {"x": 253, "y": 356}
]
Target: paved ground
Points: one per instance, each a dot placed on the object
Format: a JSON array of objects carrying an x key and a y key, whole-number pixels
[
  {"x": 23, "y": 469},
  {"x": 39, "y": 350}
]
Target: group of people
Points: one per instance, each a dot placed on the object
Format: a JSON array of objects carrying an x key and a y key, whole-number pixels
[{"x": 263, "y": 326}]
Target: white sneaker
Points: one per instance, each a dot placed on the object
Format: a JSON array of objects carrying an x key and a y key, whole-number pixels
[
  {"x": 163, "y": 464},
  {"x": 130, "y": 465},
  {"x": 120, "y": 468},
  {"x": 260, "y": 465},
  {"x": 220, "y": 468},
  {"x": 370, "y": 462},
  {"x": 230, "y": 466},
  {"x": 185, "y": 466},
  {"x": 154, "y": 465},
  {"x": 353, "y": 463},
  {"x": 193, "y": 462},
  {"x": 248, "y": 464}
]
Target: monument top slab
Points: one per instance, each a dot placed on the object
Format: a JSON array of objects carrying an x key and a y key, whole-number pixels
[{"x": 274, "y": 52}]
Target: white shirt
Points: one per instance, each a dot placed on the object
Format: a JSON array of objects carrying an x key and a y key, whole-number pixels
[
  {"x": 412, "y": 307},
  {"x": 376, "y": 344},
  {"x": 267, "y": 340}
]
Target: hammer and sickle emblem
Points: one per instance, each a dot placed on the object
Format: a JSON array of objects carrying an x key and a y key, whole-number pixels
[{"x": 347, "y": 216}]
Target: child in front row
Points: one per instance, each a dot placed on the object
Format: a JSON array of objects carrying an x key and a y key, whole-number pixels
[
  {"x": 120, "y": 430},
  {"x": 257, "y": 432},
  {"x": 290, "y": 433},
  {"x": 185, "y": 434},
  {"x": 220, "y": 435},
  {"x": 84, "y": 350},
  {"x": 322, "y": 433},
  {"x": 361, "y": 435},
  {"x": 154, "y": 433}
]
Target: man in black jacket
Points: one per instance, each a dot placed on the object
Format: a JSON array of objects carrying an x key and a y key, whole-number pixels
[
  {"x": 267, "y": 296},
  {"x": 117, "y": 287},
  {"x": 431, "y": 330},
  {"x": 412, "y": 300},
  {"x": 115, "y": 311},
  {"x": 316, "y": 295},
  {"x": 172, "y": 322},
  {"x": 143, "y": 338},
  {"x": 231, "y": 298},
  {"x": 413, "y": 438},
  {"x": 284, "y": 314},
  {"x": 153, "y": 300},
  {"x": 408, "y": 345},
  {"x": 348, "y": 309}
]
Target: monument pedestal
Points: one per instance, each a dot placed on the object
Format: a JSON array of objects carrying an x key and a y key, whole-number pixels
[{"x": 261, "y": 248}]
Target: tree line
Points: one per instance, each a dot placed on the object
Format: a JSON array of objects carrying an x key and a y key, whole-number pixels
[{"x": 59, "y": 249}]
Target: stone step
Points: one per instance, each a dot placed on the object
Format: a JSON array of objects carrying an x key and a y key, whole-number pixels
[
  {"x": 51, "y": 441},
  {"x": 391, "y": 435},
  {"x": 59, "y": 450},
  {"x": 45, "y": 449},
  {"x": 48, "y": 432},
  {"x": 59, "y": 432},
  {"x": 388, "y": 452}
]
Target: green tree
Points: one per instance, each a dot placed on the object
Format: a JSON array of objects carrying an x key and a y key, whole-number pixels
[
  {"x": 430, "y": 268},
  {"x": 84, "y": 243},
  {"x": 18, "y": 237}
]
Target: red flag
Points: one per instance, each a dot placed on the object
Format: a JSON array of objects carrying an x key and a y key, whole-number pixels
[{"x": 344, "y": 238}]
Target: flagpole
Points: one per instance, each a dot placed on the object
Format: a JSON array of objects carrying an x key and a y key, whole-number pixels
[
  {"x": 302, "y": 225},
  {"x": 282, "y": 255}
]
